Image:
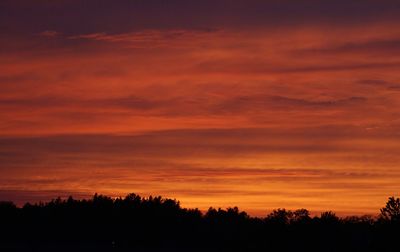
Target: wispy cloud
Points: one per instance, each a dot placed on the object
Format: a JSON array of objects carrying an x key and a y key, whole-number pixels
[
  {"x": 152, "y": 38},
  {"x": 372, "y": 47},
  {"x": 49, "y": 34}
]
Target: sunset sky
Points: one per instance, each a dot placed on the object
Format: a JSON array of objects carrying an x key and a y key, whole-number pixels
[{"x": 256, "y": 104}]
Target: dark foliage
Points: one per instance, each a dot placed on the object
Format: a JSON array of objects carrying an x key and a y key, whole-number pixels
[
  {"x": 391, "y": 212},
  {"x": 134, "y": 223}
]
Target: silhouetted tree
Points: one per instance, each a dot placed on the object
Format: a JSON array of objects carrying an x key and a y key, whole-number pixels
[
  {"x": 280, "y": 216},
  {"x": 391, "y": 212},
  {"x": 7, "y": 206},
  {"x": 329, "y": 217},
  {"x": 157, "y": 224},
  {"x": 300, "y": 215}
]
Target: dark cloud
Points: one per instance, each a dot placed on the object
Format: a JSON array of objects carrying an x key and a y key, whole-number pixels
[
  {"x": 34, "y": 150},
  {"x": 373, "y": 82},
  {"x": 133, "y": 102},
  {"x": 17, "y": 78},
  {"x": 386, "y": 47},
  {"x": 179, "y": 106},
  {"x": 65, "y": 150},
  {"x": 81, "y": 17},
  {"x": 298, "y": 103},
  {"x": 258, "y": 103},
  {"x": 40, "y": 102},
  {"x": 263, "y": 67},
  {"x": 394, "y": 88},
  {"x": 129, "y": 102}
]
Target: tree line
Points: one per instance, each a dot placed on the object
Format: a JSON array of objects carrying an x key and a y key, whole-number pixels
[{"x": 135, "y": 223}]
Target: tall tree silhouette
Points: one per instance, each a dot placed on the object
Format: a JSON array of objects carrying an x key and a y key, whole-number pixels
[{"x": 391, "y": 212}]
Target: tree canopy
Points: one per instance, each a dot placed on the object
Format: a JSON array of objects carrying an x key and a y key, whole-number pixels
[{"x": 135, "y": 223}]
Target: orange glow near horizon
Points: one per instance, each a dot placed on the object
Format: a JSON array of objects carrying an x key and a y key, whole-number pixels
[{"x": 259, "y": 118}]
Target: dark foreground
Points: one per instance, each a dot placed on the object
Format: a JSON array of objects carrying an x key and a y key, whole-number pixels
[{"x": 157, "y": 224}]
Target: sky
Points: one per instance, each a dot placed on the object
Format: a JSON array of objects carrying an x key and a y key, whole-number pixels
[{"x": 256, "y": 104}]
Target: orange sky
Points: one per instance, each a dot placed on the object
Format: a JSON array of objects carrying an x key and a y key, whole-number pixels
[{"x": 261, "y": 115}]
